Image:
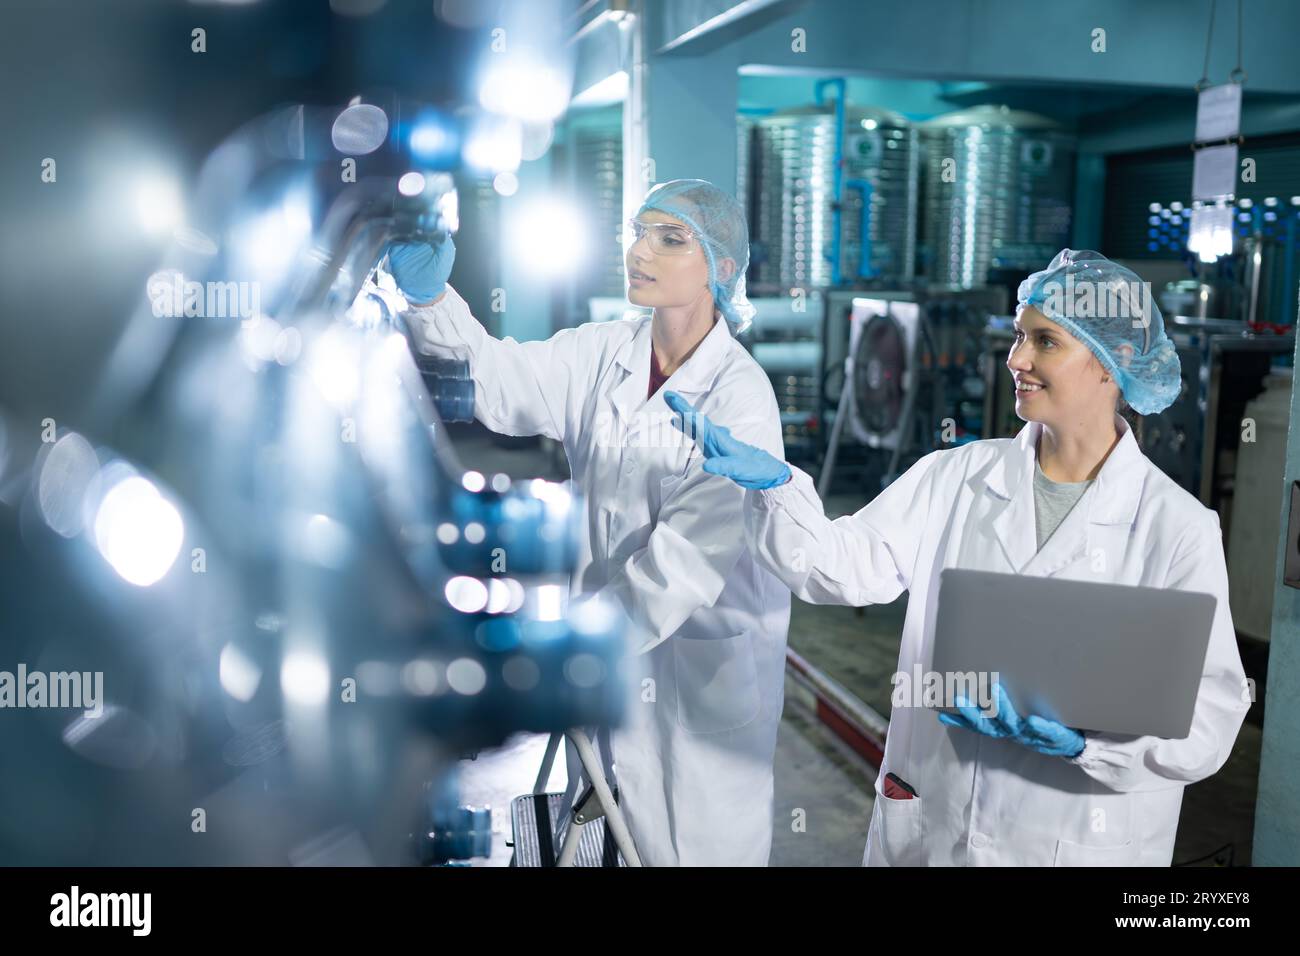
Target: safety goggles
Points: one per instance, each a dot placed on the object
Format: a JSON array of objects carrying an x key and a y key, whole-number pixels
[{"x": 663, "y": 238}]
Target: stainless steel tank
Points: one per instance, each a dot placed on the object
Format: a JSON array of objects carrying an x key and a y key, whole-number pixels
[
  {"x": 744, "y": 152},
  {"x": 598, "y": 179},
  {"x": 792, "y": 210},
  {"x": 998, "y": 193}
]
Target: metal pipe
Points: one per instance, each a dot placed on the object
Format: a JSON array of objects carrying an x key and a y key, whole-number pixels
[
  {"x": 854, "y": 714},
  {"x": 863, "y": 186},
  {"x": 837, "y": 210}
]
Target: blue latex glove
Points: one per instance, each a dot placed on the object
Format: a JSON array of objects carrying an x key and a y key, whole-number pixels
[
  {"x": 746, "y": 465},
  {"x": 421, "y": 269},
  {"x": 1038, "y": 733}
]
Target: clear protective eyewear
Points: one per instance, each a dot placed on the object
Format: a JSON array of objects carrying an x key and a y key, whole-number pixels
[{"x": 664, "y": 238}]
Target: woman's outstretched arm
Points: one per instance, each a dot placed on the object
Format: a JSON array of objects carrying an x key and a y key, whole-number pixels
[{"x": 864, "y": 558}]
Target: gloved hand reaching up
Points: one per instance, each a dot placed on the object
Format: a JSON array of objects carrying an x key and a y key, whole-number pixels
[
  {"x": 421, "y": 269},
  {"x": 746, "y": 465}
]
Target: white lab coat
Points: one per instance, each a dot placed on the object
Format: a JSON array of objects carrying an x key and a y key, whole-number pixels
[
  {"x": 985, "y": 801},
  {"x": 707, "y": 625}
]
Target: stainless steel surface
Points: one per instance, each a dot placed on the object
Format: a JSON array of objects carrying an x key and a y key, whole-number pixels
[
  {"x": 787, "y": 343},
  {"x": 998, "y": 193},
  {"x": 1194, "y": 440},
  {"x": 598, "y": 177},
  {"x": 792, "y": 218},
  {"x": 1193, "y": 298}
]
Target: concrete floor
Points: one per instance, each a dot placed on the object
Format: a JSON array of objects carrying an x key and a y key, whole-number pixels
[
  {"x": 822, "y": 803},
  {"x": 823, "y": 789}
]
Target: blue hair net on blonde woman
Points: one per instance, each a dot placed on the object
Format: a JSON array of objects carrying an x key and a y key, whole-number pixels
[
  {"x": 719, "y": 223},
  {"x": 1111, "y": 310}
]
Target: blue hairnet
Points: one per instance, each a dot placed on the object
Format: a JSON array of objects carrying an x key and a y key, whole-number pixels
[
  {"x": 719, "y": 222},
  {"x": 1109, "y": 309}
]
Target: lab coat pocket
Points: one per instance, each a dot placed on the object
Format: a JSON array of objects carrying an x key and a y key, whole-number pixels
[
  {"x": 667, "y": 486},
  {"x": 1076, "y": 854},
  {"x": 601, "y": 533},
  {"x": 717, "y": 683},
  {"x": 894, "y": 837}
]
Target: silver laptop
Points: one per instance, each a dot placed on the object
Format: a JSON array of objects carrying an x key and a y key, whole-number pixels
[{"x": 1105, "y": 657}]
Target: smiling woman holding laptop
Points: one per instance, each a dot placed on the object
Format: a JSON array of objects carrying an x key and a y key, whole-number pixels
[{"x": 1071, "y": 497}]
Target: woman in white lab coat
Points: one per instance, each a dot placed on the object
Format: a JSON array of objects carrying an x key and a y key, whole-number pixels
[
  {"x": 707, "y": 625},
  {"x": 1022, "y": 789}
]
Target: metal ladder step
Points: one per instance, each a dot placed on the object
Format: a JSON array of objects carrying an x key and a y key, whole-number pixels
[{"x": 534, "y": 845}]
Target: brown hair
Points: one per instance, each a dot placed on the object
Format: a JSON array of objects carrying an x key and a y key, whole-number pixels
[{"x": 1129, "y": 415}]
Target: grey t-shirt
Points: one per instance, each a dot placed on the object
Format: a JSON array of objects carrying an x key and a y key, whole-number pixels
[{"x": 1053, "y": 501}]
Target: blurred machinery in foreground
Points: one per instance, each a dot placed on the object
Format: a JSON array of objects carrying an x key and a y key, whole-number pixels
[{"x": 304, "y": 610}]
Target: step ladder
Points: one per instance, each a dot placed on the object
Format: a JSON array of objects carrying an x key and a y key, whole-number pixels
[{"x": 555, "y": 829}]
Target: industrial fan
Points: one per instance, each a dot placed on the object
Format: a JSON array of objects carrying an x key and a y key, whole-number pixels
[{"x": 881, "y": 376}]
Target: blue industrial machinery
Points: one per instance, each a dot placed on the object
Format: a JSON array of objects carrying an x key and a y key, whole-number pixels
[{"x": 303, "y": 609}]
